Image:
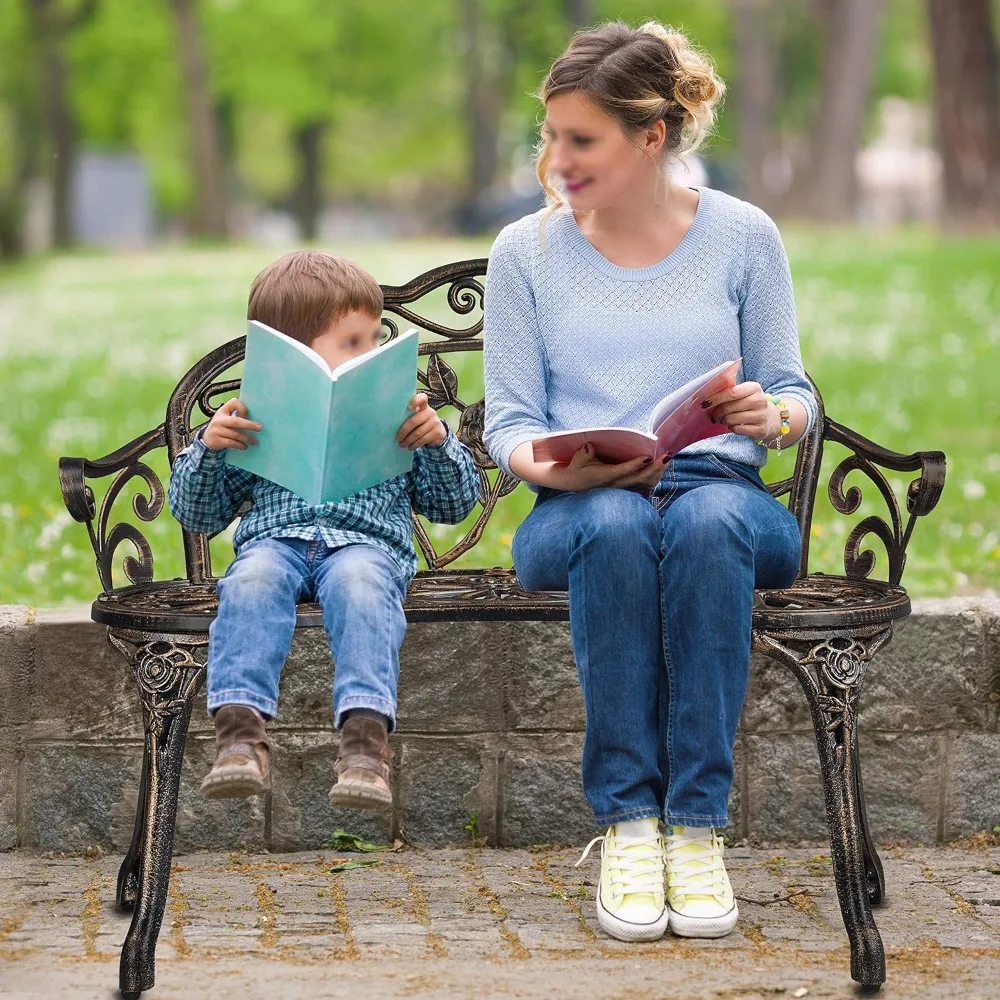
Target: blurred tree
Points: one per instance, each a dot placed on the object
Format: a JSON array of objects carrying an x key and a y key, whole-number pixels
[
  {"x": 208, "y": 217},
  {"x": 824, "y": 187},
  {"x": 20, "y": 128},
  {"x": 50, "y": 23},
  {"x": 967, "y": 110},
  {"x": 756, "y": 96}
]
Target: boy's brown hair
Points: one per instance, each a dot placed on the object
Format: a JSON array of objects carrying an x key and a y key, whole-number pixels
[{"x": 302, "y": 293}]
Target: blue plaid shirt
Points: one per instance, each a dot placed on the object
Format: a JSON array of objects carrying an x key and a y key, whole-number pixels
[{"x": 206, "y": 493}]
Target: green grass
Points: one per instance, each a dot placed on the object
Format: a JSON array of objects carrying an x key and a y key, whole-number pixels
[{"x": 901, "y": 331}]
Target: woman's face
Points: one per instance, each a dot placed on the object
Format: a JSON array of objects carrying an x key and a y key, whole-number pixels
[{"x": 598, "y": 164}]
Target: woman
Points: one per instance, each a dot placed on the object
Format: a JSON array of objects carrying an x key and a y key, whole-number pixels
[{"x": 625, "y": 288}]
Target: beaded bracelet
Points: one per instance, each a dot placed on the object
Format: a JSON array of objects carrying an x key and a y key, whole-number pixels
[{"x": 784, "y": 414}]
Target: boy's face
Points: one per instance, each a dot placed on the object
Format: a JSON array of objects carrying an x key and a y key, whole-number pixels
[{"x": 348, "y": 337}]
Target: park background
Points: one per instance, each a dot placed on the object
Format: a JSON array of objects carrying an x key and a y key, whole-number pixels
[{"x": 155, "y": 154}]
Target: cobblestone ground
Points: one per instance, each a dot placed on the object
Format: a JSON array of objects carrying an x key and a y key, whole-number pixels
[{"x": 482, "y": 922}]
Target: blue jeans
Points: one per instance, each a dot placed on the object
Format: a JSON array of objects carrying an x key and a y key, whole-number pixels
[
  {"x": 361, "y": 591},
  {"x": 660, "y": 605}
]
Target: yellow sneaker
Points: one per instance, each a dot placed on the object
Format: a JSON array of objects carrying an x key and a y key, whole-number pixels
[
  {"x": 630, "y": 900},
  {"x": 700, "y": 898}
]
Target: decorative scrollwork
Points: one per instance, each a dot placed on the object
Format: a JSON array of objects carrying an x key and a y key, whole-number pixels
[
  {"x": 166, "y": 672},
  {"x": 841, "y": 660},
  {"x": 216, "y": 389},
  {"x": 465, "y": 294},
  {"x": 106, "y": 542}
]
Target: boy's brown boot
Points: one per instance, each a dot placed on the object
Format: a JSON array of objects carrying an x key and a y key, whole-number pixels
[
  {"x": 241, "y": 748},
  {"x": 362, "y": 766}
]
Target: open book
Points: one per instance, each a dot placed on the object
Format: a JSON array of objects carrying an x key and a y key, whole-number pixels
[
  {"x": 326, "y": 434},
  {"x": 677, "y": 420}
]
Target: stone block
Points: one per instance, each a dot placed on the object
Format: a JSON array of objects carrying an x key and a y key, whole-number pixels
[
  {"x": 934, "y": 673},
  {"x": 543, "y": 800},
  {"x": 902, "y": 774},
  {"x": 9, "y": 766},
  {"x": 304, "y": 699},
  {"x": 206, "y": 824},
  {"x": 80, "y": 796},
  {"x": 82, "y": 688},
  {"x": 443, "y": 781},
  {"x": 775, "y": 701},
  {"x": 451, "y": 677},
  {"x": 784, "y": 789},
  {"x": 543, "y": 690},
  {"x": 972, "y": 802},
  {"x": 17, "y": 625},
  {"x": 301, "y": 817}
]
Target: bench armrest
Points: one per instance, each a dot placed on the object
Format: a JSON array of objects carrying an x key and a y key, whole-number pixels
[
  {"x": 922, "y": 496},
  {"x": 79, "y": 498}
]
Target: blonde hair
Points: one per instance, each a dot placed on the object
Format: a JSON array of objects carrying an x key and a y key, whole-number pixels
[
  {"x": 638, "y": 76},
  {"x": 302, "y": 293}
]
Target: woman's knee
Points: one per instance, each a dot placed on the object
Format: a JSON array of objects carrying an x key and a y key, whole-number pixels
[{"x": 616, "y": 517}]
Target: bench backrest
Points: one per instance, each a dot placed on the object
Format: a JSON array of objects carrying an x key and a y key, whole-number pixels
[{"x": 452, "y": 317}]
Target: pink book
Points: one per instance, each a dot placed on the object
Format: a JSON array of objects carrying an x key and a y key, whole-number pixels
[{"x": 677, "y": 420}]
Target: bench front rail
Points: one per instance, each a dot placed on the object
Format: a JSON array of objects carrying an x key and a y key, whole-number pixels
[{"x": 824, "y": 628}]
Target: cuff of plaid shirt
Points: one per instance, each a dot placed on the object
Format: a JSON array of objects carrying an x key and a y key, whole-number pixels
[
  {"x": 449, "y": 450},
  {"x": 201, "y": 457}
]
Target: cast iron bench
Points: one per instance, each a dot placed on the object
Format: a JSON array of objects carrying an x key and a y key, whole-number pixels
[{"x": 823, "y": 628}]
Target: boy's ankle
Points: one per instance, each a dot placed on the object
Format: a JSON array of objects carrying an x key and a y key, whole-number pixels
[{"x": 367, "y": 713}]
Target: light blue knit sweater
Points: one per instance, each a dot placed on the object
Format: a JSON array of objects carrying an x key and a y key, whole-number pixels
[{"x": 572, "y": 340}]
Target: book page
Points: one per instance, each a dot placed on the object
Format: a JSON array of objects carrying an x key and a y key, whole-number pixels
[
  {"x": 611, "y": 444},
  {"x": 668, "y": 404},
  {"x": 315, "y": 358}
]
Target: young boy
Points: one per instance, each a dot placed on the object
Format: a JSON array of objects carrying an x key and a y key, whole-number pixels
[{"x": 355, "y": 558}]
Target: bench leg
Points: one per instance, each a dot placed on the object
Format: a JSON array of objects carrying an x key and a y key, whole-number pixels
[
  {"x": 873, "y": 863},
  {"x": 128, "y": 873},
  {"x": 168, "y": 676},
  {"x": 831, "y": 670}
]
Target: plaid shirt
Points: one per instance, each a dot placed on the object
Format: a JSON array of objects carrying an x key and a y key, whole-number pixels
[{"x": 206, "y": 492}]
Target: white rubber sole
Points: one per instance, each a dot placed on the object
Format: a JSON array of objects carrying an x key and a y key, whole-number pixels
[
  {"x": 623, "y": 930},
  {"x": 703, "y": 927}
]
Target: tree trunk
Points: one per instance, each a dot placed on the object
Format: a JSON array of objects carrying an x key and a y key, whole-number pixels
[
  {"x": 49, "y": 25},
  {"x": 967, "y": 110},
  {"x": 825, "y": 189},
  {"x": 755, "y": 97},
  {"x": 209, "y": 216},
  {"x": 488, "y": 65},
  {"x": 579, "y": 13},
  {"x": 307, "y": 198}
]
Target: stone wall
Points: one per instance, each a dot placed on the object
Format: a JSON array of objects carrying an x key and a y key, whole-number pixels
[{"x": 491, "y": 725}]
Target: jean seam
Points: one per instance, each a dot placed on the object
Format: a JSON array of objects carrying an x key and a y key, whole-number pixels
[
  {"x": 717, "y": 462},
  {"x": 668, "y": 663},
  {"x": 237, "y": 696},
  {"x": 677, "y": 820}
]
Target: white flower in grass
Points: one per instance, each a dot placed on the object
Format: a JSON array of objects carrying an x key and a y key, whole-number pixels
[
  {"x": 993, "y": 463},
  {"x": 53, "y": 529},
  {"x": 973, "y": 489},
  {"x": 34, "y": 572}
]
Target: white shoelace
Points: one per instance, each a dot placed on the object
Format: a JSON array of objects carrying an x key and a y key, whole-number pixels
[
  {"x": 696, "y": 866},
  {"x": 636, "y": 865}
]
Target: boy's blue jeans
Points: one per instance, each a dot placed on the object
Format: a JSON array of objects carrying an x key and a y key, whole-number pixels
[
  {"x": 361, "y": 591},
  {"x": 660, "y": 604}
]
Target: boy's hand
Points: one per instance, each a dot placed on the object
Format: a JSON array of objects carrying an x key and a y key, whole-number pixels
[
  {"x": 424, "y": 427},
  {"x": 229, "y": 427}
]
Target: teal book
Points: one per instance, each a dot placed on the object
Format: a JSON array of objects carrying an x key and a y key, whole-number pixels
[{"x": 326, "y": 434}]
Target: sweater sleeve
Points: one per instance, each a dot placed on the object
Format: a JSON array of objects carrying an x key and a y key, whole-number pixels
[
  {"x": 769, "y": 334},
  {"x": 514, "y": 356}
]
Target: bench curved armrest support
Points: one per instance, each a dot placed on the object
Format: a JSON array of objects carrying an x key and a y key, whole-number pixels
[
  {"x": 124, "y": 465},
  {"x": 922, "y": 496}
]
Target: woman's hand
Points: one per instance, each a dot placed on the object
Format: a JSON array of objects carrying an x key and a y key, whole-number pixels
[
  {"x": 229, "y": 427},
  {"x": 585, "y": 471},
  {"x": 745, "y": 410}
]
